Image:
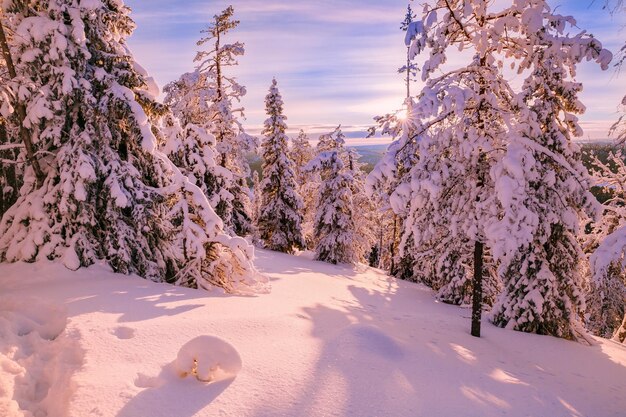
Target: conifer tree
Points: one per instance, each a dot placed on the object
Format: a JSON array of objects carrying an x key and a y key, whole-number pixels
[
  {"x": 232, "y": 141},
  {"x": 606, "y": 299},
  {"x": 481, "y": 146},
  {"x": 334, "y": 222},
  {"x": 206, "y": 98},
  {"x": 280, "y": 217},
  {"x": 107, "y": 192},
  {"x": 364, "y": 208},
  {"x": 301, "y": 153},
  {"x": 340, "y": 239},
  {"x": 537, "y": 235}
]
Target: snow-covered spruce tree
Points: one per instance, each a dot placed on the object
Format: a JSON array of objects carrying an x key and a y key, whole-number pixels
[
  {"x": 339, "y": 239},
  {"x": 606, "y": 300},
  {"x": 474, "y": 145},
  {"x": 458, "y": 125},
  {"x": 365, "y": 210},
  {"x": 334, "y": 221},
  {"x": 607, "y": 261},
  {"x": 388, "y": 175},
  {"x": 107, "y": 192},
  {"x": 301, "y": 153},
  {"x": 543, "y": 187},
  {"x": 281, "y": 210},
  {"x": 232, "y": 141},
  {"x": 383, "y": 179},
  {"x": 192, "y": 150}
]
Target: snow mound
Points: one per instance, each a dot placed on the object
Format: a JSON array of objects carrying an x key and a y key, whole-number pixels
[
  {"x": 209, "y": 359},
  {"x": 37, "y": 359}
]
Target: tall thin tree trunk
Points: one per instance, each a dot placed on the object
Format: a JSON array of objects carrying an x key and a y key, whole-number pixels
[
  {"x": 477, "y": 281},
  {"x": 392, "y": 268},
  {"x": 477, "y": 288},
  {"x": 20, "y": 109},
  {"x": 380, "y": 244}
]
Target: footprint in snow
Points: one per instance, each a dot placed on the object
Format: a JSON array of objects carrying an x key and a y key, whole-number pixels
[
  {"x": 208, "y": 359},
  {"x": 123, "y": 332}
]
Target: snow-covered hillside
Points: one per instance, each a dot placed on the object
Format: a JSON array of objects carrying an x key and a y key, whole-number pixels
[{"x": 328, "y": 341}]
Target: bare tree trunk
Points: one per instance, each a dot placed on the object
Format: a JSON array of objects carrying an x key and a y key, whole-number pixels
[{"x": 20, "y": 109}]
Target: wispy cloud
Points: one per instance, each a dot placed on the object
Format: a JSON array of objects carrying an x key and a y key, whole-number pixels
[{"x": 335, "y": 60}]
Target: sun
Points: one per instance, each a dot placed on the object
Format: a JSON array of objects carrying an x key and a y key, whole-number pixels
[{"x": 402, "y": 115}]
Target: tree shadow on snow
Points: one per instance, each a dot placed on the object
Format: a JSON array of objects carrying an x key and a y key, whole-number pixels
[
  {"x": 394, "y": 351},
  {"x": 134, "y": 299}
]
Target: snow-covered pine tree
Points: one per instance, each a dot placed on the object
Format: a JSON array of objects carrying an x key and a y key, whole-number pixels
[
  {"x": 505, "y": 144},
  {"x": 458, "y": 126},
  {"x": 365, "y": 209},
  {"x": 301, "y": 153},
  {"x": 340, "y": 240},
  {"x": 232, "y": 141},
  {"x": 280, "y": 218},
  {"x": 382, "y": 181},
  {"x": 193, "y": 151},
  {"x": 543, "y": 187},
  {"x": 606, "y": 300},
  {"x": 107, "y": 192},
  {"x": 189, "y": 100},
  {"x": 470, "y": 131},
  {"x": 334, "y": 221}
]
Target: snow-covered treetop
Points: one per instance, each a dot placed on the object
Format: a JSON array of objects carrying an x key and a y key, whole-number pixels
[
  {"x": 225, "y": 54},
  {"x": 275, "y": 124},
  {"x": 408, "y": 19},
  {"x": 512, "y": 32},
  {"x": 332, "y": 141}
]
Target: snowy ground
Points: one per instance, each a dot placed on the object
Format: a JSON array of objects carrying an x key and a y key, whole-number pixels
[{"x": 327, "y": 341}]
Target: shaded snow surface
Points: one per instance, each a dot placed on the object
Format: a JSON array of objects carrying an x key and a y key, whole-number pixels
[{"x": 328, "y": 341}]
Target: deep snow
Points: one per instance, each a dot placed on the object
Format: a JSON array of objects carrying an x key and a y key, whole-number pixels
[{"x": 328, "y": 341}]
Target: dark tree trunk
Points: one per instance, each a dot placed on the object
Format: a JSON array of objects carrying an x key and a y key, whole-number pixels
[
  {"x": 393, "y": 269},
  {"x": 477, "y": 291}
]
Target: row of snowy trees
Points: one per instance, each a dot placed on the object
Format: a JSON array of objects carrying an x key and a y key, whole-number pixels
[
  {"x": 94, "y": 169},
  {"x": 311, "y": 198},
  {"x": 296, "y": 203},
  {"x": 489, "y": 187}
]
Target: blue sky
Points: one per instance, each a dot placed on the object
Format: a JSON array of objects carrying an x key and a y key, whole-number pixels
[{"x": 336, "y": 60}]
